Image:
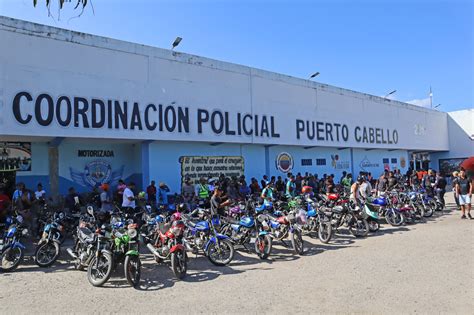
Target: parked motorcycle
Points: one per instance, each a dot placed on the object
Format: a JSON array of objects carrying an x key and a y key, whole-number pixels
[{"x": 11, "y": 248}]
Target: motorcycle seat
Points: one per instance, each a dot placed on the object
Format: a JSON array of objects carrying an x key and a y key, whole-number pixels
[{"x": 338, "y": 209}]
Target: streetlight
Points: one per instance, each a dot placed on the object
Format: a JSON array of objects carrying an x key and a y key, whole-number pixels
[
  {"x": 390, "y": 93},
  {"x": 314, "y": 75},
  {"x": 176, "y": 42}
]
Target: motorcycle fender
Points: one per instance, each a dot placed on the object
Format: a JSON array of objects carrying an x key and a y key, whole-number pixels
[
  {"x": 132, "y": 252},
  {"x": 213, "y": 240},
  {"x": 220, "y": 237},
  {"x": 176, "y": 248},
  {"x": 18, "y": 245}
]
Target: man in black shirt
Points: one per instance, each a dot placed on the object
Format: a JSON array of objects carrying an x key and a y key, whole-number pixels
[
  {"x": 440, "y": 187},
  {"x": 217, "y": 206}
]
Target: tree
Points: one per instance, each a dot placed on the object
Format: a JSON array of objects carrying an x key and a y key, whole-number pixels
[{"x": 81, "y": 4}]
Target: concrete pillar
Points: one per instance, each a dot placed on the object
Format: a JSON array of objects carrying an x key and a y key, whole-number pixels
[
  {"x": 145, "y": 156},
  {"x": 53, "y": 154}
]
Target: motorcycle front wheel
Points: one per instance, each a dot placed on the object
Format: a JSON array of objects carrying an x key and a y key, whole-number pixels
[
  {"x": 220, "y": 253},
  {"x": 100, "y": 269},
  {"x": 263, "y": 246},
  {"x": 394, "y": 218},
  {"x": 179, "y": 263},
  {"x": 46, "y": 254},
  {"x": 359, "y": 228},
  {"x": 374, "y": 225},
  {"x": 325, "y": 232},
  {"x": 297, "y": 242},
  {"x": 429, "y": 209},
  {"x": 11, "y": 258},
  {"x": 132, "y": 265}
]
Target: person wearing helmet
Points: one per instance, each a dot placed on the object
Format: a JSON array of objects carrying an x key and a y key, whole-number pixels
[{"x": 267, "y": 193}]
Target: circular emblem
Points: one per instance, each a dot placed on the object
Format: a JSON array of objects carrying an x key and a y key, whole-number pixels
[
  {"x": 403, "y": 162},
  {"x": 97, "y": 172},
  {"x": 284, "y": 162}
]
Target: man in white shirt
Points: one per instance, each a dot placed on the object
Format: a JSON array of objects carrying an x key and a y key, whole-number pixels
[
  {"x": 40, "y": 193},
  {"x": 128, "y": 200}
]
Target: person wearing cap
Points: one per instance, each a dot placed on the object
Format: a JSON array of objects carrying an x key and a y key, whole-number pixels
[
  {"x": 105, "y": 198},
  {"x": 217, "y": 206}
]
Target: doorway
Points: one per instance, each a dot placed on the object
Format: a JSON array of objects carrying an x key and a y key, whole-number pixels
[{"x": 8, "y": 181}]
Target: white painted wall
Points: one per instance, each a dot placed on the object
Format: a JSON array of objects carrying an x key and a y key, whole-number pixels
[{"x": 41, "y": 59}]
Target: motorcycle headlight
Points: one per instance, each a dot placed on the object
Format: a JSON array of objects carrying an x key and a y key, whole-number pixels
[
  {"x": 132, "y": 233},
  {"x": 24, "y": 232}
]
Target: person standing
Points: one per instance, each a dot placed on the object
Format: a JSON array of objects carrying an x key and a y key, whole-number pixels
[
  {"x": 330, "y": 184},
  {"x": 267, "y": 193},
  {"x": 128, "y": 197},
  {"x": 22, "y": 201},
  {"x": 105, "y": 198},
  {"x": 151, "y": 193},
  {"x": 440, "y": 188},
  {"x": 344, "y": 175},
  {"x": 454, "y": 182},
  {"x": 162, "y": 194},
  {"x": 40, "y": 194},
  {"x": 346, "y": 182},
  {"x": 290, "y": 187},
  {"x": 4, "y": 202},
  {"x": 188, "y": 193},
  {"x": 202, "y": 190},
  {"x": 382, "y": 184},
  {"x": 120, "y": 189},
  {"x": 464, "y": 188},
  {"x": 280, "y": 186}
]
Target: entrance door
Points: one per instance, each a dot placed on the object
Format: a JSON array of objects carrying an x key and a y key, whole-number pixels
[{"x": 8, "y": 181}]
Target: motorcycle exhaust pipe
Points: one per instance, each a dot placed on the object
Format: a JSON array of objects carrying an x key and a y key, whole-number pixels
[
  {"x": 71, "y": 253},
  {"x": 154, "y": 251},
  {"x": 187, "y": 246}
]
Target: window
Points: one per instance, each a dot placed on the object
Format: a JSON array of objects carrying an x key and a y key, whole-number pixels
[
  {"x": 320, "y": 162},
  {"x": 394, "y": 160},
  {"x": 306, "y": 162},
  {"x": 386, "y": 161}
]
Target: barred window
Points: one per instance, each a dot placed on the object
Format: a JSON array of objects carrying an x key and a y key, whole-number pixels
[
  {"x": 386, "y": 161},
  {"x": 394, "y": 160},
  {"x": 320, "y": 162},
  {"x": 306, "y": 162}
]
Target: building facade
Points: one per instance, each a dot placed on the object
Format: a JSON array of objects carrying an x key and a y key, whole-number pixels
[{"x": 79, "y": 110}]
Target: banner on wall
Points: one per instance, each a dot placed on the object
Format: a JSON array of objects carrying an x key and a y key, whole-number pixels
[
  {"x": 196, "y": 167},
  {"x": 96, "y": 173},
  {"x": 448, "y": 166},
  {"x": 338, "y": 164},
  {"x": 15, "y": 156}
]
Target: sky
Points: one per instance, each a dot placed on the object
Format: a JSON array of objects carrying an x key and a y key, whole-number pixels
[{"x": 368, "y": 46}]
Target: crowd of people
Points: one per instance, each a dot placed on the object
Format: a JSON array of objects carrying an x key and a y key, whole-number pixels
[{"x": 215, "y": 192}]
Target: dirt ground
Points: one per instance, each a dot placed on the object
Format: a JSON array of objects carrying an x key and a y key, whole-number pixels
[{"x": 422, "y": 268}]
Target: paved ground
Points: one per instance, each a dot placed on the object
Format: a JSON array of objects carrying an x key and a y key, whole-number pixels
[{"x": 424, "y": 268}]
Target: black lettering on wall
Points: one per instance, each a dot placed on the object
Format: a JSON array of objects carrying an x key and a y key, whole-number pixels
[
  {"x": 149, "y": 126},
  {"x": 203, "y": 117},
  {"x": 59, "y": 105},
  {"x": 121, "y": 121},
  {"x": 16, "y": 107},
  {"x": 98, "y": 121},
  {"x": 136, "y": 120},
  {"x": 38, "y": 110},
  {"x": 183, "y": 119}
]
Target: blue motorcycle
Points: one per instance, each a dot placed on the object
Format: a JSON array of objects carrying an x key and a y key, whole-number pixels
[
  {"x": 11, "y": 249},
  {"x": 242, "y": 231},
  {"x": 202, "y": 236}
]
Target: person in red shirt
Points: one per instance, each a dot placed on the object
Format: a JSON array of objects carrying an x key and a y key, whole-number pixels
[{"x": 4, "y": 203}]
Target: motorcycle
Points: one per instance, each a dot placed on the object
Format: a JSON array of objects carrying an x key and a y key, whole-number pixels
[
  {"x": 372, "y": 217},
  {"x": 48, "y": 248},
  {"x": 202, "y": 236},
  {"x": 242, "y": 231},
  {"x": 118, "y": 246},
  {"x": 165, "y": 241},
  {"x": 318, "y": 221},
  {"x": 283, "y": 226},
  {"x": 350, "y": 216},
  {"x": 11, "y": 249},
  {"x": 386, "y": 206}
]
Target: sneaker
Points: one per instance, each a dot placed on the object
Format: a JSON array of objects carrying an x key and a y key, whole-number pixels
[
  {"x": 469, "y": 216},
  {"x": 463, "y": 217}
]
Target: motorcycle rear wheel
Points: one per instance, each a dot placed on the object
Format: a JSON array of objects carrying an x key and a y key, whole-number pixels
[
  {"x": 374, "y": 225},
  {"x": 263, "y": 246},
  {"x": 11, "y": 259},
  {"x": 99, "y": 275},
  {"x": 325, "y": 232},
  {"x": 132, "y": 265},
  {"x": 297, "y": 242},
  {"x": 179, "y": 263},
  {"x": 46, "y": 254},
  {"x": 359, "y": 228}
]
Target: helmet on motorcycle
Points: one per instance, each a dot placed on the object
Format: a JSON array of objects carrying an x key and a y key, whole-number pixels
[
  {"x": 182, "y": 207},
  {"x": 307, "y": 189},
  {"x": 176, "y": 216},
  {"x": 361, "y": 179}
]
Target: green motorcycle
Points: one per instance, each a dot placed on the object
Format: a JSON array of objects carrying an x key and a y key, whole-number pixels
[{"x": 118, "y": 246}]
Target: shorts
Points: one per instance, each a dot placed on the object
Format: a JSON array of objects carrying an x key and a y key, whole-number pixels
[{"x": 464, "y": 200}]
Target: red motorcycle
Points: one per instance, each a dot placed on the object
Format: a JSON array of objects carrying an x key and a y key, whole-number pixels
[{"x": 164, "y": 239}]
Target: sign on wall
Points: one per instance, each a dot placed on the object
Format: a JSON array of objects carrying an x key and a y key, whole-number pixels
[
  {"x": 15, "y": 156},
  {"x": 196, "y": 167},
  {"x": 448, "y": 166},
  {"x": 284, "y": 162},
  {"x": 96, "y": 173},
  {"x": 339, "y": 164}
]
